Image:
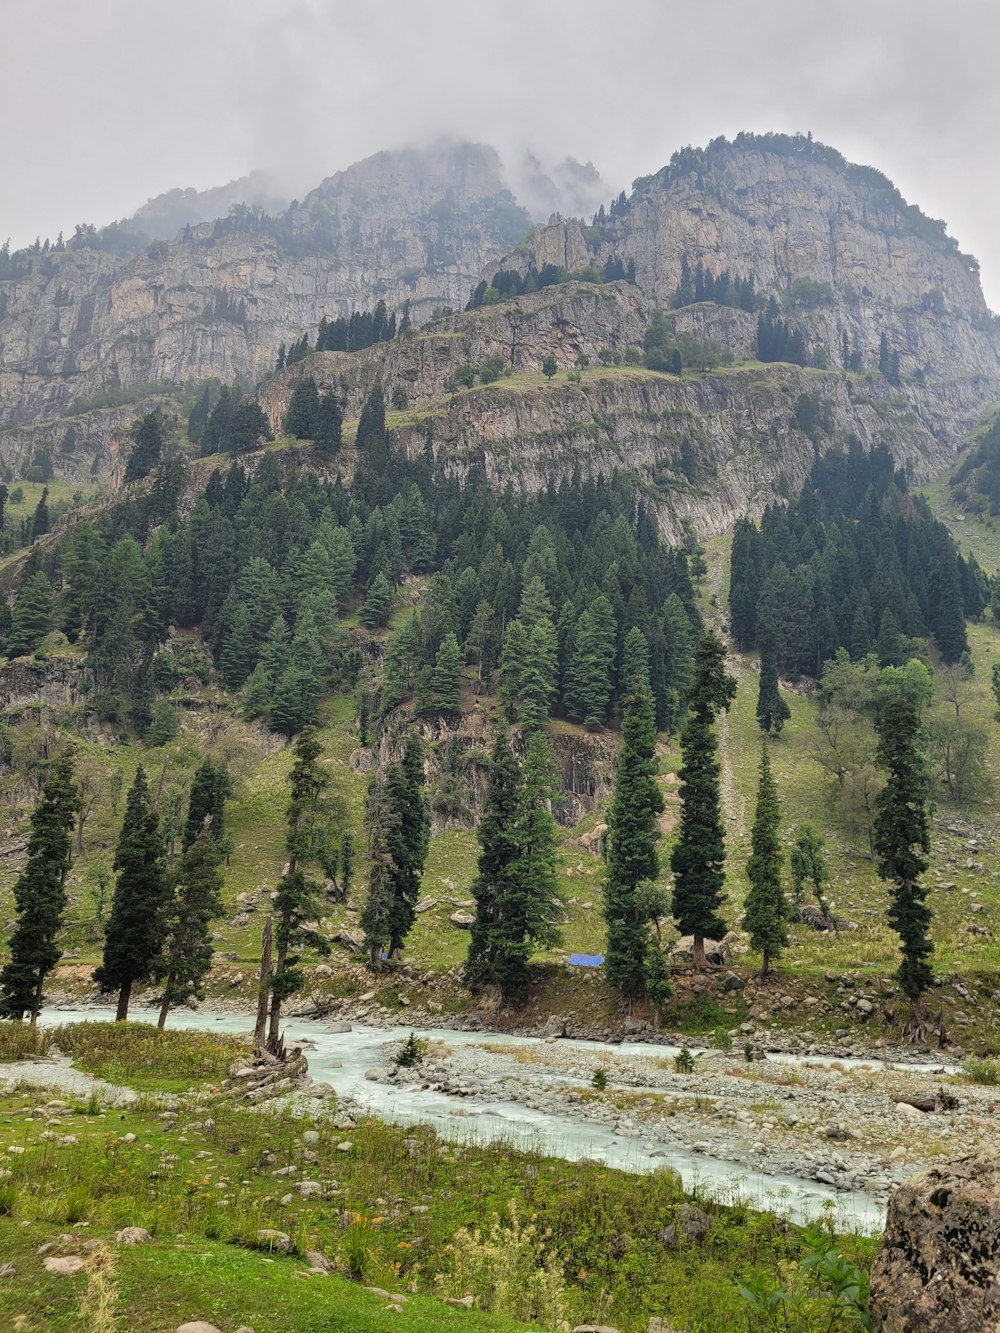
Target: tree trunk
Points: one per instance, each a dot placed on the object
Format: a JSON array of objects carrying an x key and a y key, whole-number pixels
[
  {"x": 165, "y": 1006},
  {"x": 123, "y": 998},
  {"x": 275, "y": 1019},
  {"x": 264, "y": 986},
  {"x": 698, "y": 952},
  {"x": 34, "y": 1019},
  {"x": 765, "y": 967}
]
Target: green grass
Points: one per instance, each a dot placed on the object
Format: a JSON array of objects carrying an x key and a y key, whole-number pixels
[{"x": 202, "y": 1182}]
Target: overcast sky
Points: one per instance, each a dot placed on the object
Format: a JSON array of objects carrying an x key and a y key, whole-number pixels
[{"x": 107, "y": 102}]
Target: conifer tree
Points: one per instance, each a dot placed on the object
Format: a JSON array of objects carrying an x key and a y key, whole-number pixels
[
  {"x": 40, "y": 519},
  {"x": 902, "y": 841},
  {"x": 765, "y": 908},
  {"x": 408, "y": 840},
  {"x": 329, "y": 426},
  {"x": 515, "y": 889},
  {"x": 297, "y": 900},
  {"x": 302, "y": 417},
  {"x": 632, "y": 859},
  {"x": 635, "y": 664},
  {"x": 194, "y": 903},
  {"x": 32, "y": 617},
  {"x": 257, "y": 692},
  {"x": 134, "y": 934},
  {"x": 699, "y": 855},
  {"x": 211, "y": 786},
  {"x": 772, "y": 710},
  {"x": 446, "y": 679},
  {"x": 40, "y": 895},
  {"x": 376, "y": 910},
  {"x": 377, "y": 606},
  {"x": 147, "y": 434},
  {"x": 589, "y": 672}
]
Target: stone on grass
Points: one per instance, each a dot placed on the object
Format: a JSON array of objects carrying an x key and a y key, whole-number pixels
[
  {"x": 64, "y": 1265},
  {"x": 198, "y": 1326},
  {"x": 133, "y": 1236},
  {"x": 8, "y": 1270},
  {"x": 275, "y": 1240},
  {"x": 463, "y": 920},
  {"x": 459, "y": 1302}
]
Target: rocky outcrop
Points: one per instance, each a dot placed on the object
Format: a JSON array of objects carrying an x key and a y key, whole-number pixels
[
  {"x": 834, "y": 243},
  {"x": 217, "y": 300},
  {"x": 938, "y": 1269}
]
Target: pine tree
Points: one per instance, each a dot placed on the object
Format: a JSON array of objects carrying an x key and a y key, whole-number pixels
[
  {"x": 40, "y": 519},
  {"x": 377, "y": 606},
  {"x": 589, "y": 673},
  {"x": 376, "y": 910},
  {"x": 446, "y": 679},
  {"x": 498, "y": 850},
  {"x": 302, "y": 417},
  {"x": 329, "y": 426},
  {"x": 765, "y": 907},
  {"x": 211, "y": 787},
  {"x": 526, "y": 914},
  {"x": 408, "y": 840},
  {"x": 297, "y": 901},
  {"x": 194, "y": 903},
  {"x": 632, "y": 859},
  {"x": 902, "y": 841},
  {"x": 772, "y": 710},
  {"x": 134, "y": 934},
  {"x": 147, "y": 434},
  {"x": 635, "y": 664},
  {"x": 40, "y": 895},
  {"x": 32, "y": 618},
  {"x": 198, "y": 416},
  {"x": 699, "y": 855},
  {"x": 246, "y": 428}
]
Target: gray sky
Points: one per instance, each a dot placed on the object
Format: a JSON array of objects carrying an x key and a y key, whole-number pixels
[{"x": 107, "y": 102}]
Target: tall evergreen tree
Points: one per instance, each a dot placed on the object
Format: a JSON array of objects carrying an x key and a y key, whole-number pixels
[
  {"x": 195, "y": 901},
  {"x": 302, "y": 416},
  {"x": 297, "y": 901},
  {"x": 408, "y": 839},
  {"x": 147, "y": 434},
  {"x": 902, "y": 841},
  {"x": 32, "y": 617},
  {"x": 446, "y": 680},
  {"x": 590, "y": 672},
  {"x": 765, "y": 909},
  {"x": 40, "y": 895},
  {"x": 134, "y": 934},
  {"x": 211, "y": 787},
  {"x": 329, "y": 426},
  {"x": 40, "y": 518},
  {"x": 772, "y": 710},
  {"x": 699, "y": 855},
  {"x": 495, "y": 881},
  {"x": 632, "y": 859},
  {"x": 376, "y": 910}
]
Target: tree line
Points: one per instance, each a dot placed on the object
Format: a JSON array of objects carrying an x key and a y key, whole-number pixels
[{"x": 855, "y": 562}]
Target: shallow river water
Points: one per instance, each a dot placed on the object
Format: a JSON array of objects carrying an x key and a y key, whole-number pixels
[{"x": 341, "y": 1059}]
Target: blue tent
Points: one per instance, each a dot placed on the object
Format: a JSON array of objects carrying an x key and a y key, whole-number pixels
[{"x": 586, "y": 959}]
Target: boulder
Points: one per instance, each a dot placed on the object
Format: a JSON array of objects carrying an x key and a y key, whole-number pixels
[
  {"x": 938, "y": 1267},
  {"x": 198, "y": 1326},
  {"x": 133, "y": 1236},
  {"x": 463, "y": 920},
  {"x": 716, "y": 951},
  {"x": 554, "y": 1027},
  {"x": 352, "y": 940},
  {"x": 270, "y": 1239}
]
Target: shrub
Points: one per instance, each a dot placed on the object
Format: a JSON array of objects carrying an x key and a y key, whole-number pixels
[
  {"x": 684, "y": 1061},
  {"x": 412, "y": 1053},
  {"x": 986, "y": 1072},
  {"x": 721, "y": 1040},
  {"x": 600, "y": 1079}
]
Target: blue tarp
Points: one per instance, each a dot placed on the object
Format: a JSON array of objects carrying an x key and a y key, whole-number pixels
[{"x": 586, "y": 959}]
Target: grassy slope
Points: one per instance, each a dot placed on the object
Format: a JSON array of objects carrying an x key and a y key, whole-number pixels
[{"x": 201, "y": 1179}]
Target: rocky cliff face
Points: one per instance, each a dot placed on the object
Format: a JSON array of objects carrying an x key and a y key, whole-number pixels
[
  {"x": 217, "y": 301},
  {"x": 706, "y": 447},
  {"x": 787, "y": 212}
]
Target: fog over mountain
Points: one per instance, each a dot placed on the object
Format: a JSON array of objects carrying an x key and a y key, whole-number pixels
[{"x": 115, "y": 103}]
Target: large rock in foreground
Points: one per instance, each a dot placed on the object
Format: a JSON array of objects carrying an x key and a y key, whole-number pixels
[{"x": 938, "y": 1267}]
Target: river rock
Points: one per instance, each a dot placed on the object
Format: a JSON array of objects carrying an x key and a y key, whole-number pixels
[{"x": 938, "y": 1268}]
